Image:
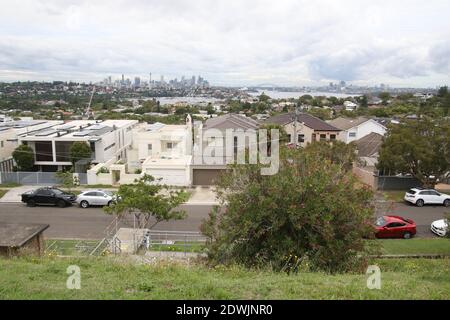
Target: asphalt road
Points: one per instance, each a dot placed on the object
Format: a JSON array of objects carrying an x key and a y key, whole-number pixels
[
  {"x": 423, "y": 216},
  {"x": 76, "y": 223}
]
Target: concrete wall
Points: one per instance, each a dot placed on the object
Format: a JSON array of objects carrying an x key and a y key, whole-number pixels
[
  {"x": 366, "y": 176},
  {"x": 7, "y": 147}
]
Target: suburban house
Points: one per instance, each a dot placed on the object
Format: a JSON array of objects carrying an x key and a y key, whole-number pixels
[
  {"x": 206, "y": 168},
  {"x": 357, "y": 128},
  {"x": 108, "y": 139},
  {"x": 368, "y": 148},
  {"x": 163, "y": 151},
  {"x": 7, "y": 143},
  {"x": 17, "y": 239},
  {"x": 10, "y": 130},
  {"x": 308, "y": 128},
  {"x": 350, "y": 106}
]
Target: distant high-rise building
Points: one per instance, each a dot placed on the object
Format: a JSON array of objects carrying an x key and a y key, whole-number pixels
[{"x": 137, "y": 82}]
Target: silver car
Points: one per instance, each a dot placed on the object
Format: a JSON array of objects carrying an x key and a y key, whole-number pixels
[{"x": 95, "y": 198}]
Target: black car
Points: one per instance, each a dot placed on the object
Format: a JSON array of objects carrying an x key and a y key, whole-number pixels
[{"x": 48, "y": 196}]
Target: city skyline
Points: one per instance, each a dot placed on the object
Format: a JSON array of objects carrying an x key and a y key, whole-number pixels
[{"x": 290, "y": 43}]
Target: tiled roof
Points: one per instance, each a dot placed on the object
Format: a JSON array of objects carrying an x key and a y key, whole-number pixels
[
  {"x": 231, "y": 121},
  {"x": 347, "y": 123},
  {"x": 309, "y": 120},
  {"x": 369, "y": 145}
]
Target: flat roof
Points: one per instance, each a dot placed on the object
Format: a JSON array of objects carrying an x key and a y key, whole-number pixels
[
  {"x": 79, "y": 129},
  {"x": 17, "y": 234}
]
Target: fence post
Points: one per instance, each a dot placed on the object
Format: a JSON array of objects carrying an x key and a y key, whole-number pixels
[{"x": 37, "y": 177}]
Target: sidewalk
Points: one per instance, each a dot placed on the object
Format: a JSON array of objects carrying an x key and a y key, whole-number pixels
[{"x": 199, "y": 195}]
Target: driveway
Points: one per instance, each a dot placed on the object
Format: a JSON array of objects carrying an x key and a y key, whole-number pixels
[{"x": 14, "y": 195}]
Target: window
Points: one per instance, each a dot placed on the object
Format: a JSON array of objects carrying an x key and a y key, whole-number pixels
[
  {"x": 352, "y": 134},
  {"x": 169, "y": 145},
  {"x": 44, "y": 151},
  {"x": 323, "y": 137},
  {"x": 289, "y": 137},
  {"x": 395, "y": 225},
  {"x": 301, "y": 138},
  {"x": 1, "y": 144},
  {"x": 332, "y": 137},
  {"x": 149, "y": 147},
  {"x": 90, "y": 194},
  {"x": 44, "y": 192}
]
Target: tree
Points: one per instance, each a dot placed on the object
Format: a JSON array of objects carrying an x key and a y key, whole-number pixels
[
  {"x": 338, "y": 152},
  {"x": 23, "y": 155},
  {"x": 384, "y": 96},
  {"x": 67, "y": 179},
  {"x": 420, "y": 148},
  {"x": 148, "y": 202},
  {"x": 80, "y": 151},
  {"x": 312, "y": 213}
]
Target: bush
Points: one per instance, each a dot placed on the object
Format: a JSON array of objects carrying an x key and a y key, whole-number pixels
[
  {"x": 24, "y": 157},
  {"x": 102, "y": 170},
  {"x": 310, "y": 213}
]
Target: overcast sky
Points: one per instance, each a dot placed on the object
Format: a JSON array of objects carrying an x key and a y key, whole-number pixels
[{"x": 242, "y": 42}]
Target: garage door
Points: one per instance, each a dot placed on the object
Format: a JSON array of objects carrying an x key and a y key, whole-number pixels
[
  {"x": 169, "y": 177},
  {"x": 205, "y": 177}
]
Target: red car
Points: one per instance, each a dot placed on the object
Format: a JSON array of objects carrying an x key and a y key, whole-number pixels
[{"x": 394, "y": 227}]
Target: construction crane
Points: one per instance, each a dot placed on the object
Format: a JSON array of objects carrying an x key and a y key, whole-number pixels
[{"x": 89, "y": 112}]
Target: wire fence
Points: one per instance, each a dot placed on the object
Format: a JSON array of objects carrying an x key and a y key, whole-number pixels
[{"x": 36, "y": 178}]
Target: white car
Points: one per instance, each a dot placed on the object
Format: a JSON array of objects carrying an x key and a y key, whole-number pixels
[
  {"x": 440, "y": 227},
  {"x": 95, "y": 198},
  {"x": 420, "y": 197}
]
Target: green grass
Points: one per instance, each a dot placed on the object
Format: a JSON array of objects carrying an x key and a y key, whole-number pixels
[
  {"x": 180, "y": 247},
  {"x": 3, "y": 192},
  {"x": 70, "y": 247},
  {"x": 10, "y": 185},
  {"x": 415, "y": 246},
  {"x": 109, "y": 278}
]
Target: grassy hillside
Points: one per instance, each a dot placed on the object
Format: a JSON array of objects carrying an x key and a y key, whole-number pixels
[{"x": 108, "y": 278}]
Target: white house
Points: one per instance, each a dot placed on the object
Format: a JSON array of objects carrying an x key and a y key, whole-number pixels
[
  {"x": 357, "y": 128},
  {"x": 7, "y": 144},
  {"x": 350, "y": 106},
  {"x": 163, "y": 151},
  {"x": 108, "y": 140},
  {"x": 10, "y": 130}
]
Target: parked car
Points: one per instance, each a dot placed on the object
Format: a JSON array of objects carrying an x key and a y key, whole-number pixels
[
  {"x": 420, "y": 197},
  {"x": 48, "y": 196},
  {"x": 394, "y": 227},
  {"x": 440, "y": 227},
  {"x": 95, "y": 198}
]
